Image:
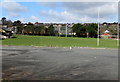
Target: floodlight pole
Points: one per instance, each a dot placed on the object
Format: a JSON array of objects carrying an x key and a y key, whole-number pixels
[
  {"x": 98, "y": 39},
  {"x": 118, "y": 35}
]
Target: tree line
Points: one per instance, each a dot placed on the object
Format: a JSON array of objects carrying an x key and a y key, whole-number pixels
[
  {"x": 81, "y": 30},
  {"x": 88, "y": 30},
  {"x": 31, "y": 29}
]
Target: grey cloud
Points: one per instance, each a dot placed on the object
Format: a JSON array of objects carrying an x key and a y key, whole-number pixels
[
  {"x": 13, "y": 8},
  {"x": 80, "y": 10},
  {"x": 90, "y": 9}
]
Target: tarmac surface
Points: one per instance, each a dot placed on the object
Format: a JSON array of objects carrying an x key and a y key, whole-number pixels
[{"x": 50, "y": 63}]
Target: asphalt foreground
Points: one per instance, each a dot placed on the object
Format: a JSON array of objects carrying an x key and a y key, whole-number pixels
[{"x": 50, "y": 63}]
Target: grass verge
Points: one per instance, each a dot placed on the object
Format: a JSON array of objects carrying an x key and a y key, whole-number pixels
[{"x": 53, "y": 41}]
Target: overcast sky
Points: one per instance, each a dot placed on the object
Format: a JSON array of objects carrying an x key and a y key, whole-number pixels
[{"x": 60, "y": 12}]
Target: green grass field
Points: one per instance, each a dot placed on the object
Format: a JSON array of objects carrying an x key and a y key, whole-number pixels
[{"x": 52, "y": 41}]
